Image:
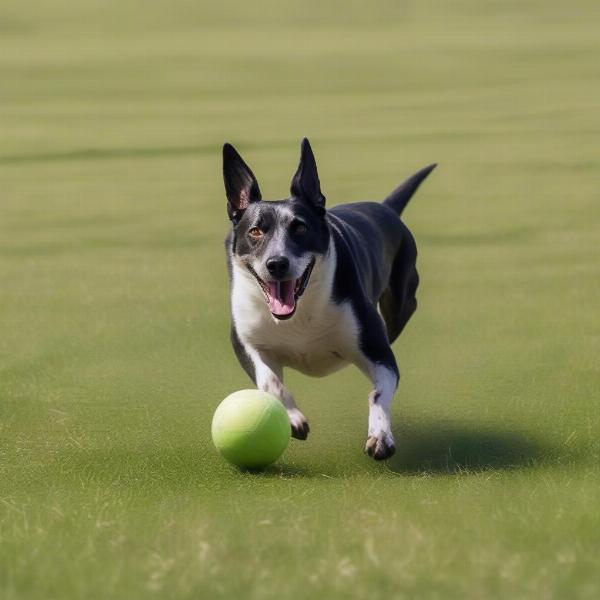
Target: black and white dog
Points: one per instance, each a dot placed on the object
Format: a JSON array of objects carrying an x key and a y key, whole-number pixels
[{"x": 317, "y": 289}]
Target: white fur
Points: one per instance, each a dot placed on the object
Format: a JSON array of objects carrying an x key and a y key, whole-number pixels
[
  {"x": 320, "y": 338},
  {"x": 385, "y": 382},
  {"x": 270, "y": 379}
]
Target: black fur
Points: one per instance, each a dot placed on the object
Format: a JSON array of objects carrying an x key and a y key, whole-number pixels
[
  {"x": 305, "y": 184},
  {"x": 399, "y": 198},
  {"x": 367, "y": 238},
  {"x": 241, "y": 187}
]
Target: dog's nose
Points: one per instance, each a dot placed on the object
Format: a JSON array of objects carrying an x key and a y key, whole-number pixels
[{"x": 278, "y": 266}]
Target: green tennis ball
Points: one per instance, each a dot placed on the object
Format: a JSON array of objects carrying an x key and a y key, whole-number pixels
[{"x": 251, "y": 429}]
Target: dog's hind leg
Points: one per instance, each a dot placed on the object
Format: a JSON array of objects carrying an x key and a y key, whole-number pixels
[
  {"x": 268, "y": 377},
  {"x": 398, "y": 301}
]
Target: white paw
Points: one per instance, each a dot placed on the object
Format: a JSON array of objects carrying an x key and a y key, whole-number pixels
[
  {"x": 299, "y": 424},
  {"x": 380, "y": 446}
]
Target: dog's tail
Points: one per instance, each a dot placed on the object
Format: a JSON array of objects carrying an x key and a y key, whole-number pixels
[{"x": 399, "y": 198}]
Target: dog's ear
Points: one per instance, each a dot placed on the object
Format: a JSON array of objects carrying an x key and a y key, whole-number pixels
[
  {"x": 241, "y": 186},
  {"x": 305, "y": 183}
]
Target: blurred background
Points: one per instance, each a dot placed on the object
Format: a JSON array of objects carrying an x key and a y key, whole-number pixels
[{"x": 114, "y": 311}]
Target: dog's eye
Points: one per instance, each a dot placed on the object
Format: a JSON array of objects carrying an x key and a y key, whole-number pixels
[
  {"x": 255, "y": 233},
  {"x": 300, "y": 228}
]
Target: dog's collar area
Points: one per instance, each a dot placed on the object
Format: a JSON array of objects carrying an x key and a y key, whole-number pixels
[{"x": 282, "y": 300}]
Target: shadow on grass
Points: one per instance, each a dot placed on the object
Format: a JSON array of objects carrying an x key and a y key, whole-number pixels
[
  {"x": 422, "y": 448},
  {"x": 450, "y": 448}
]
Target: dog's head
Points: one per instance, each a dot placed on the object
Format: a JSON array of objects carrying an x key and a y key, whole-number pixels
[{"x": 279, "y": 241}]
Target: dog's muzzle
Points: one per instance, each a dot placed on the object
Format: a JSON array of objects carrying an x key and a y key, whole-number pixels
[{"x": 282, "y": 296}]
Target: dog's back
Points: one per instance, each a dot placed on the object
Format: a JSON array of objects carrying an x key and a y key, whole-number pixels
[
  {"x": 370, "y": 234},
  {"x": 377, "y": 252}
]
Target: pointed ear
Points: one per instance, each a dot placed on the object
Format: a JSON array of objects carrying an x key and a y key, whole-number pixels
[
  {"x": 305, "y": 183},
  {"x": 241, "y": 186}
]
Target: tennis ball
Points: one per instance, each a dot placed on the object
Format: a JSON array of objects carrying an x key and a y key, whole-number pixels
[{"x": 251, "y": 429}]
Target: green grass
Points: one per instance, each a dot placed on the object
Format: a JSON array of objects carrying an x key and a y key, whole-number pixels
[{"x": 114, "y": 346}]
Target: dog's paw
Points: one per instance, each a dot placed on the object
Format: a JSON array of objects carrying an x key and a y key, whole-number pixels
[
  {"x": 299, "y": 424},
  {"x": 380, "y": 447}
]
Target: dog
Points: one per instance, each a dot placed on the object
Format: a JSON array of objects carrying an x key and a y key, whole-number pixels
[{"x": 316, "y": 289}]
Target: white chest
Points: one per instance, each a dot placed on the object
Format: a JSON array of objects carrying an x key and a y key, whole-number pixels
[{"x": 320, "y": 338}]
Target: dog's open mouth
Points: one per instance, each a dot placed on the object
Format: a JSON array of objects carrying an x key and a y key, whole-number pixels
[{"x": 282, "y": 296}]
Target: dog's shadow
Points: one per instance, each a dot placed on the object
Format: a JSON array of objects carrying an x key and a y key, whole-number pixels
[{"x": 439, "y": 448}]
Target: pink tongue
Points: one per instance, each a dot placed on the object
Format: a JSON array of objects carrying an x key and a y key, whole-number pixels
[{"x": 281, "y": 297}]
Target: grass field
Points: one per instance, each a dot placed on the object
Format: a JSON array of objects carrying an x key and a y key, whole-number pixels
[{"x": 114, "y": 314}]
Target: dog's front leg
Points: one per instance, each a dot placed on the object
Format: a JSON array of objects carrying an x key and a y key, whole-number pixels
[
  {"x": 380, "y": 441},
  {"x": 268, "y": 376}
]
